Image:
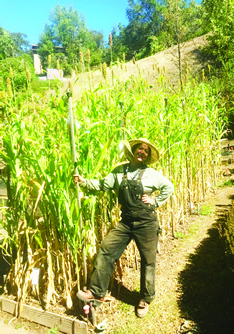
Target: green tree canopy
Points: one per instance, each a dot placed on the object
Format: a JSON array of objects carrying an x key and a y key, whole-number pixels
[
  {"x": 145, "y": 20},
  {"x": 219, "y": 16},
  {"x": 8, "y": 47},
  {"x": 12, "y": 44},
  {"x": 157, "y": 24},
  {"x": 21, "y": 42},
  {"x": 68, "y": 35}
]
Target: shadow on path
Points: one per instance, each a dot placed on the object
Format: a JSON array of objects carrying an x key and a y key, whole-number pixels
[
  {"x": 207, "y": 282},
  {"x": 122, "y": 293}
]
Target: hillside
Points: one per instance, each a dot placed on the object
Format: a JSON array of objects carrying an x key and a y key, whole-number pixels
[{"x": 150, "y": 68}]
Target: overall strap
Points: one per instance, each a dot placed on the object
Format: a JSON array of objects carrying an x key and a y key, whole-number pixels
[
  {"x": 125, "y": 172},
  {"x": 140, "y": 174}
]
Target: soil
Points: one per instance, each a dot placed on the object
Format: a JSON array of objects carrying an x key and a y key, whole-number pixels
[
  {"x": 194, "y": 282},
  {"x": 11, "y": 325}
]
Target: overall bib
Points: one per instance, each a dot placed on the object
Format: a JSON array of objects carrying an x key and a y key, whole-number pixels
[{"x": 139, "y": 222}]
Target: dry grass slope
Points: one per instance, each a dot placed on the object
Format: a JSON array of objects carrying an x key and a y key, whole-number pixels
[{"x": 149, "y": 68}]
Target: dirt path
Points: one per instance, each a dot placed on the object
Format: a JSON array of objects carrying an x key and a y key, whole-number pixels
[
  {"x": 195, "y": 284},
  {"x": 10, "y": 325}
]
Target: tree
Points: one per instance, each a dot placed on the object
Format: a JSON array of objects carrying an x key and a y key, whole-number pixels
[
  {"x": 181, "y": 23},
  {"x": 219, "y": 16},
  {"x": 7, "y": 46},
  {"x": 145, "y": 19},
  {"x": 21, "y": 42},
  {"x": 152, "y": 26},
  {"x": 65, "y": 37},
  {"x": 46, "y": 45}
]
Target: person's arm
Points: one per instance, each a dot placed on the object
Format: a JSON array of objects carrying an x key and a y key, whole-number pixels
[
  {"x": 153, "y": 181},
  {"x": 108, "y": 183},
  {"x": 166, "y": 189}
]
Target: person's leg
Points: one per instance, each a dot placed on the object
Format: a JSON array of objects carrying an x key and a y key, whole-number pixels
[
  {"x": 109, "y": 252},
  {"x": 146, "y": 237}
]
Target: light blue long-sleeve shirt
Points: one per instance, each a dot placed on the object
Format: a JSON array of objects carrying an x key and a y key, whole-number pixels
[{"x": 151, "y": 181}]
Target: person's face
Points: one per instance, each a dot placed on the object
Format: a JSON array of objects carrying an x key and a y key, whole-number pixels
[{"x": 141, "y": 153}]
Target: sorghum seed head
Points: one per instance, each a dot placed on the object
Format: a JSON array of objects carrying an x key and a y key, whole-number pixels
[
  {"x": 3, "y": 96},
  {"x": 104, "y": 73},
  {"x": 110, "y": 40},
  {"x": 88, "y": 55},
  {"x": 70, "y": 87},
  {"x": 49, "y": 60},
  {"x": 11, "y": 74},
  {"x": 9, "y": 89},
  {"x": 28, "y": 74},
  {"x": 203, "y": 74},
  {"x": 81, "y": 57}
]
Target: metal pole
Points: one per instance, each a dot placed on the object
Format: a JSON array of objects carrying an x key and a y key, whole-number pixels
[{"x": 77, "y": 184}]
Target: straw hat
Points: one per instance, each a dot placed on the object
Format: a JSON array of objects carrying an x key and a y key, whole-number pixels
[{"x": 153, "y": 157}]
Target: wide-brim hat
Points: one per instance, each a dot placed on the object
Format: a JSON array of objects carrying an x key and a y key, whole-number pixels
[{"x": 128, "y": 145}]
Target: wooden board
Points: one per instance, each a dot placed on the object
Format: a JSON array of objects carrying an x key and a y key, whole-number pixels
[
  {"x": 64, "y": 324},
  {"x": 8, "y": 306}
]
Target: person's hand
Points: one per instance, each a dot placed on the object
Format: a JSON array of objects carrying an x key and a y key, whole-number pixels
[
  {"x": 148, "y": 200},
  {"x": 77, "y": 178}
]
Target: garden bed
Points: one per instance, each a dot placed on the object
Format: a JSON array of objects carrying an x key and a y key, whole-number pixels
[{"x": 62, "y": 323}]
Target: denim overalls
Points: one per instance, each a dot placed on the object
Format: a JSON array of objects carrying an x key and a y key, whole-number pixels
[{"x": 139, "y": 222}]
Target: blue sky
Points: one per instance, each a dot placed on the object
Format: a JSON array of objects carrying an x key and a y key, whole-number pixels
[{"x": 30, "y": 16}]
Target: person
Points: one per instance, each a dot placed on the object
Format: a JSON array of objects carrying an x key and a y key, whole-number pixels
[{"x": 134, "y": 182}]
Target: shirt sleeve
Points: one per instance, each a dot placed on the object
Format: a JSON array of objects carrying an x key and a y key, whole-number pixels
[
  {"x": 166, "y": 190},
  {"x": 165, "y": 187},
  {"x": 106, "y": 184},
  {"x": 110, "y": 182}
]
